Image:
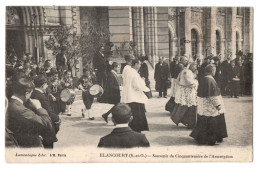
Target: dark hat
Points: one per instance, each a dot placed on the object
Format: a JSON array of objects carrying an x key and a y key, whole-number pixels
[
  {"x": 239, "y": 53},
  {"x": 216, "y": 58},
  {"x": 208, "y": 57},
  {"x": 10, "y": 71},
  {"x": 40, "y": 80},
  {"x": 129, "y": 57},
  {"x": 121, "y": 113},
  {"x": 114, "y": 64}
]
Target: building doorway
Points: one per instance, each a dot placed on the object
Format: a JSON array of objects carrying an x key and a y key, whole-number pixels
[
  {"x": 15, "y": 42},
  {"x": 15, "y": 38}
]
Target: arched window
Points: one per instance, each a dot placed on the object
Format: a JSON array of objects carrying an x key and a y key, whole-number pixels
[
  {"x": 218, "y": 48},
  {"x": 194, "y": 42}
]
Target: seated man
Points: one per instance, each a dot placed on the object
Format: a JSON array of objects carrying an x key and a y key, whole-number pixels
[{"x": 123, "y": 136}]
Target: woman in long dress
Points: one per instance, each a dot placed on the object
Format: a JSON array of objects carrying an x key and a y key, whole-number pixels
[
  {"x": 186, "y": 98},
  {"x": 211, "y": 125}
]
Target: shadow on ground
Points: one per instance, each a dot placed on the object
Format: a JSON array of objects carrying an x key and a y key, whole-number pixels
[
  {"x": 166, "y": 127},
  {"x": 158, "y": 114},
  {"x": 85, "y": 124},
  {"x": 101, "y": 131}
]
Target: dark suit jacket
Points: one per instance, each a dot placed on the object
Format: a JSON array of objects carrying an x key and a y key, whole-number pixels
[
  {"x": 99, "y": 63},
  {"x": 225, "y": 71},
  {"x": 27, "y": 125},
  {"x": 113, "y": 91},
  {"x": 50, "y": 137},
  {"x": 45, "y": 104},
  {"x": 161, "y": 72},
  {"x": 124, "y": 138}
]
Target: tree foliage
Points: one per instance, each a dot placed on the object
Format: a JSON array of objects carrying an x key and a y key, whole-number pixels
[{"x": 86, "y": 45}]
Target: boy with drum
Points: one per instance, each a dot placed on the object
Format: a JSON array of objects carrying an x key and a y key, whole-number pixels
[
  {"x": 84, "y": 84},
  {"x": 67, "y": 83}
]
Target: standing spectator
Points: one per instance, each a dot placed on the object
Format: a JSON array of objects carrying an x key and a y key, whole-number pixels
[
  {"x": 217, "y": 76},
  {"x": 13, "y": 61},
  {"x": 61, "y": 61},
  {"x": 161, "y": 75},
  {"x": 242, "y": 79},
  {"x": 27, "y": 124},
  {"x": 113, "y": 89},
  {"x": 234, "y": 80},
  {"x": 10, "y": 140},
  {"x": 225, "y": 71},
  {"x": 100, "y": 66},
  {"x": 39, "y": 93},
  {"x": 144, "y": 73},
  {"x": 211, "y": 125},
  {"x": 248, "y": 74},
  {"x": 175, "y": 69},
  {"x": 122, "y": 136}
]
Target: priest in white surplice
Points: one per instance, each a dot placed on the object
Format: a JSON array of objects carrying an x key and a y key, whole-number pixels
[{"x": 133, "y": 94}]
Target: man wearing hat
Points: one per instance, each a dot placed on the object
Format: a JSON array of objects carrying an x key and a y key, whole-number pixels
[
  {"x": 113, "y": 90},
  {"x": 39, "y": 93},
  {"x": 225, "y": 71},
  {"x": 100, "y": 66},
  {"x": 61, "y": 61},
  {"x": 206, "y": 62},
  {"x": 122, "y": 136}
]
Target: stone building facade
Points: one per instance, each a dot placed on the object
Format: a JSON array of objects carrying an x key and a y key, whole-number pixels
[
  {"x": 156, "y": 31},
  {"x": 197, "y": 31}
]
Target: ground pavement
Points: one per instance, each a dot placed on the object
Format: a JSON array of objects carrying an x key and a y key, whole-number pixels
[{"x": 163, "y": 132}]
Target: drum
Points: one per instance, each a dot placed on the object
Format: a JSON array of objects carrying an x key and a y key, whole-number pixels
[
  {"x": 67, "y": 95},
  {"x": 96, "y": 90}
]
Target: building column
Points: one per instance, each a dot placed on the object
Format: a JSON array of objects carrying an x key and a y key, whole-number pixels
[
  {"x": 200, "y": 44},
  {"x": 222, "y": 49},
  {"x": 142, "y": 31},
  {"x": 233, "y": 33},
  {"x": 213, "y": 30},
  {"x": 149, "y": 29},
  {"x": 162, "y": 31},
  {"x": 152, "y": 36},
  {"x": 146, "y": 32},
  {"x": 155, "y": 32},
  {"x": 188, "y": 31},
  {"x": 251, "y": 27}
]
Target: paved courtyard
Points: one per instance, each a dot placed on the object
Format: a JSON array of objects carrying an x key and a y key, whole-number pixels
[{"x": 163, "y": 132}]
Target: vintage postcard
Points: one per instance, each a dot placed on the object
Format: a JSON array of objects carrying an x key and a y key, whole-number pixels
[{"x": 128, "y": 84}]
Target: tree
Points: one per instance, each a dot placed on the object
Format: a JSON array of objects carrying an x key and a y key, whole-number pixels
[{"x": 64, "y": 37}]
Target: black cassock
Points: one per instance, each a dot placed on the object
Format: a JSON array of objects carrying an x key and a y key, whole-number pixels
[{"x": 161, "y": 75}]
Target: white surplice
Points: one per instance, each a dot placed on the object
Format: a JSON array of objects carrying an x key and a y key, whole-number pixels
[{"x": 133, "y": 86}]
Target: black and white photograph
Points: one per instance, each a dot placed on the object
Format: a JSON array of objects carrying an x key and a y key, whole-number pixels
[{"x": 128, "y": 84}]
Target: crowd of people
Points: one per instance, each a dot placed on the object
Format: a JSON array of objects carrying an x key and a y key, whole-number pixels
[{"x": 34, "y": 101}]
